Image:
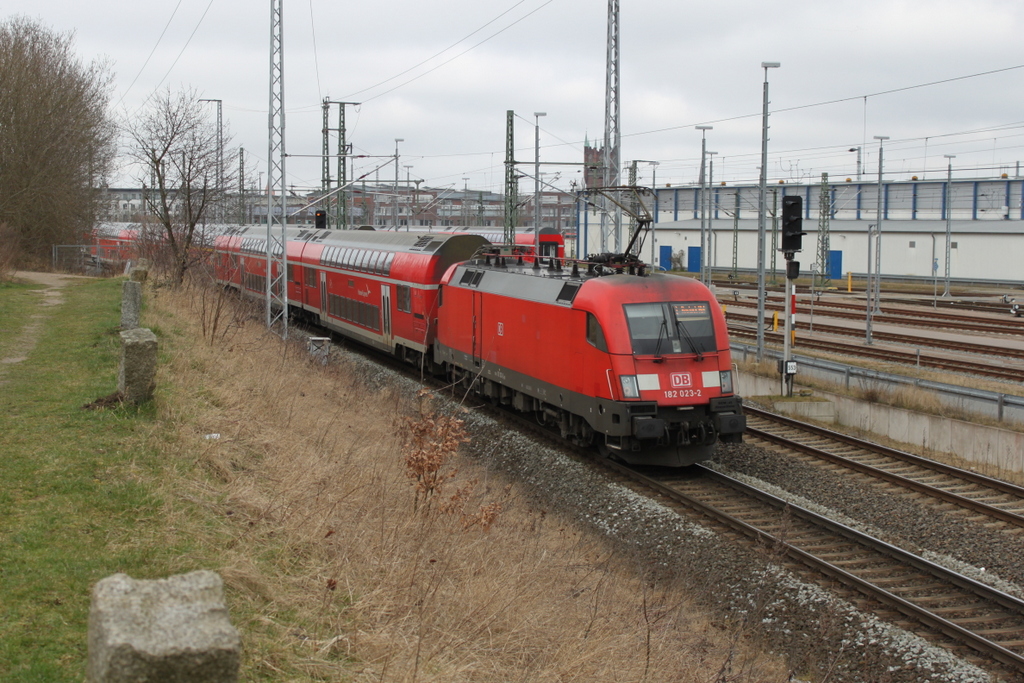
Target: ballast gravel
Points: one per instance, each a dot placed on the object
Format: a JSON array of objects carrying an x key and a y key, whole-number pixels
[
  {"x": 818, "y": 631},
  {"x": 943, "y": 534}
]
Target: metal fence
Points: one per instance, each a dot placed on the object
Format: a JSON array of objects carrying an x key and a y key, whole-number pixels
[{"x": 1007, "y": 407}]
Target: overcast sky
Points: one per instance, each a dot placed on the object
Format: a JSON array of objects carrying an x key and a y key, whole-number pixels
[{"x": 441, "y": 75}]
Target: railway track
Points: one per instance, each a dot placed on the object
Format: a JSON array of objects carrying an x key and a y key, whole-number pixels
[
  {"x": 955, "y": 611},
  {"x": 976, "y": 493},
  {"x": 977, "y": 616},
  {"x": 890, "y": 355},
  {"x": 913, "y": 318}
]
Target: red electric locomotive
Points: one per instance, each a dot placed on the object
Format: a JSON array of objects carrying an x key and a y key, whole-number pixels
[{"x": 637, "y": 362}]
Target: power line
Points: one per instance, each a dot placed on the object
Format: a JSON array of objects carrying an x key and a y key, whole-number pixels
[
  {"x": 415, "y": 66},
  {"x": 151, "y": 52},
  {"x": 452, "y": 59},
  {"x": 183, "y": 48}
]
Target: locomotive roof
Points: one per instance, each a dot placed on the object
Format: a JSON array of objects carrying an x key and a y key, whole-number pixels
[{"x": 561, "y": 286}]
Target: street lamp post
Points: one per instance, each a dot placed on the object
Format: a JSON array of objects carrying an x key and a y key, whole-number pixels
[
  {"x": 761, "y": 192},
  {"x": 711, "y": 216},
  {"x": 703, "y": 192},
  {"x": 408, "y": 185},
  {"x": 879, "y": 215},
  {"x": 654, "y": 214},
  {"x": 868, "y": 290},
  {"x": 858, "y": 151},
  {"x": 949, "y": 218},
  {"x": 536, "y": 186},
  {"x": 874, "y": 274},
  {"x": 394, "y": 208}
]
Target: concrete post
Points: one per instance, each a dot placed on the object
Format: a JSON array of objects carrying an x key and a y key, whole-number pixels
[
  {"x": 137, "y": 377},
  {"x": 140, "y": 272},
  {"x": 173, "y": 630},
  {"x": 131, "y": 304}
]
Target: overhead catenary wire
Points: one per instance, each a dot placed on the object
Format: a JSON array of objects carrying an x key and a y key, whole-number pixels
[{"x": 150, "y": 56}]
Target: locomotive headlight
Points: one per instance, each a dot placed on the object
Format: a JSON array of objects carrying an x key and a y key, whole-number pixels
[
  {"x": 726, "y": 381},
  {"x": 630, "y": 389}
]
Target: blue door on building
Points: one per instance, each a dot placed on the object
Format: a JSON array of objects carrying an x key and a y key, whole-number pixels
[
  {"x": 665, "y": 257},
  {"x": 835, "y": 265},
  {"x": 693, "y": 259}
]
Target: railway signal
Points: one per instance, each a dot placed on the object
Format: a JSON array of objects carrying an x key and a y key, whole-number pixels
[
  {"x": 792, "y": 225},
  {"x": 792, "y": 238}
]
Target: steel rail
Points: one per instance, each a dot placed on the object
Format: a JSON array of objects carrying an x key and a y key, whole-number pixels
[
  {"x": 955, "y": 365},
  {"x": 905, "y": 482},
  {"x": 905, "y": 607}
]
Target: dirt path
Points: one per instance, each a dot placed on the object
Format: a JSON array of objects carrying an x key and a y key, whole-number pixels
[{"x": 48, "y": 298}]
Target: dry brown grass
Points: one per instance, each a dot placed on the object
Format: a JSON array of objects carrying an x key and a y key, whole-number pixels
[{"x": 311, "y": 506}]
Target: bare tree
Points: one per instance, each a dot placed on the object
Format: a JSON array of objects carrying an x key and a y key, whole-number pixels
[
  {"x": 57, "y": 142},
  {"x": 174, "y": 147}
]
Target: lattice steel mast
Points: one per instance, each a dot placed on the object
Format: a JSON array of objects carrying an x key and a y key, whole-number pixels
[
  {"x": 824, "y": 218},
  {"x": 277, "y": 205},
  {"x": 342, "y": 198},
  {"x": 511, "y": 180},
  {"x": 611, "y": 222}
]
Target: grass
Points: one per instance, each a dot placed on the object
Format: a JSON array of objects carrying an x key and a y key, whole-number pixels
[
  {"x": 70, "y": 501},
  {"x": 18, "y": 302},
  {"x": 306, "y": 502}
]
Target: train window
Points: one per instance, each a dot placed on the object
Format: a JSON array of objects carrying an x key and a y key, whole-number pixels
[
  {"x": 467, "y": 277},
  {"x": 595, "y": 335},
  {"x": 310, "y": 277},
  {"x": 404, "y": 298},
  {"x": 387, "y": 263},
  {"x": 679, "y": 327},
  {"x": 477, "y": 278},
  {"x": 291, "y": 273}
]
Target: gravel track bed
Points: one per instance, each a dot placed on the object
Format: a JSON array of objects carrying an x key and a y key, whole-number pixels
[
  {"x": 949, "y": 538},
  {"x": 750, "y": 589}
]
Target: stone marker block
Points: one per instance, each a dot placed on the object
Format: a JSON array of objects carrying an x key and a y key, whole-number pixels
[
  {"x": 131, "y": 304},
  {"x": 173, "y": 630},
  {"x": 137, "y": 377},
  {"x": 140, "y": 272}
]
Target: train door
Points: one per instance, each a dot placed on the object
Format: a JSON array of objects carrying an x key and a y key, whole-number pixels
[
  {"x": 385, "y": 313},
  {"x": 478, "y": 325},
  {"x": 323, "y": 295}
]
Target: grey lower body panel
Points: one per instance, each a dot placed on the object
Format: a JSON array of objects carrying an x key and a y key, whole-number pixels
[{"x": 637, "y": 432}]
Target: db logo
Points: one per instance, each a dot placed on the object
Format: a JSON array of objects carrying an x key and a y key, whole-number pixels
[{"x": 681, "y": 380}]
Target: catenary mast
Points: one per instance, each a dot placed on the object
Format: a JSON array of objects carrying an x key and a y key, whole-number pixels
[
  {"x": 611, "y": 219},
  {"x": 277, "y": 204}
]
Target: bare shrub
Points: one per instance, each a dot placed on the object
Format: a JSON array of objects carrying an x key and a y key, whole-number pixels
[{"x": 433, "y": 440}]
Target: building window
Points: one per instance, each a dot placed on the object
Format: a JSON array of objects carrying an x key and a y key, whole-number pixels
[
  {"x": 952, "y": 245},
  {"x": 913, "y": 244}
]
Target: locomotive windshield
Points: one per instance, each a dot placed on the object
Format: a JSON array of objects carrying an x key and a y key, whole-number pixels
[{"x": 671, "y": 327}]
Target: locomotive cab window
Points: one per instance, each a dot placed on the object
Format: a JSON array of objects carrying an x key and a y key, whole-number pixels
[
  {"x": 595, "y": 335},
  {"x": 676, "y": 327}
]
